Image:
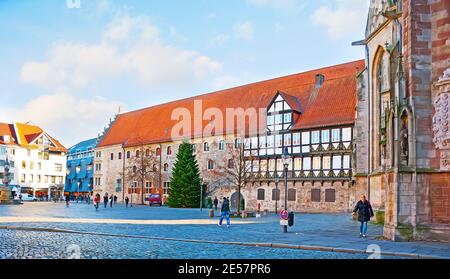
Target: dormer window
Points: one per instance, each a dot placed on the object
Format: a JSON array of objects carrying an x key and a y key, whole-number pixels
[{"x": 279, "y": 115}]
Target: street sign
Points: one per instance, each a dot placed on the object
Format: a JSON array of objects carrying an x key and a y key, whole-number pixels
[
  {"x": 284, "y": 215},
  {"x": 284, "y": 222}
]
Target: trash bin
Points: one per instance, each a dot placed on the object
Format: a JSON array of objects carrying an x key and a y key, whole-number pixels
[
  {"x": 291, "y": 219},
  {"x": 211, "y": 213}
]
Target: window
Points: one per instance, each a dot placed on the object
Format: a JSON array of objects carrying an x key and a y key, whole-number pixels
[
  {"x": 39, "y": 178},
  {"x": 138, "y": 153},
  {"x": 166, "y": 167},
  {"x": 58, "y": 167},
  {"x": 270, "y": 141},
  {"x": 210, "y": 164},
  {"x": 326, "y": 162},
  {"x": 32, "y": 179},
  {"x": 316, "y": 163},
  {"x": 296, "y": 139},
  {"x": 330, "y": 195},
  {"x": 315, "y": 195},
  {"x": 237, "y": 143},
  {"x": 307, "y": 163},
  {"x": 221, "y": 145},
  {"x": 98, "y": 167},
  {"x": 205, "y": 146},
  {"x": 337, "y": 162},
  {"x": 315, "y": 137},
  {"x": 158, "y": 151},
  {"x": 272, "y": 165},
  {"x": 336, "y": 135},
  {"x": 53, "y": 178},
  {"x": 128, "y": 154},
  {"x": 347, "y": 134},
  {"x": 280, "y": 166},
  {"x": 346, "y": 162},
  {"x": 278, "y": 140},
  {"x": 112, "y": 156},
  {"x": 254, "y": 142},
  {"x": 148, "y": 186},
  {"x": 261, "y": 195},
  {"x": 287, "y": 140},
  {"x": 255, "y": 166},
  {"x": 298, "y": 164},
  {"x": 147, "y": 152},
  {"x": 169, "y": 150},
  {"x": 119, "y": 156},
  {"x": 325, "y": 136},
  {"x": 22, "y": 178},
  {"x": 28, "y": 152},
  {"x": 275, "y": 194},
  {"x": 118, "y": 185},
  {"x": 292, "y": 195},
  {"x": 166, "y": 186},
  {"x": 230, "y": 163},
  {"x": 24, "y": 165},
  {"x": 133, "y": 187},
  {"x": 287, "y": 118}
]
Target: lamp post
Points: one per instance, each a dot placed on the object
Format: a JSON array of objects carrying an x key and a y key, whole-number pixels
[
  {"x": 286, "y": 157},
  {"x": 201, "y": 194},
  {"x": 277, "y": 195}
]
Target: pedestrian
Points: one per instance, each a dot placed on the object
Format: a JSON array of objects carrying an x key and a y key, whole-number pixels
[
  {"x": 216, "y": 202},
  {"x": 67, "y": 200},
  {"x": 127, "y": 200},
  {"x": 225, "y": 212},
  {"x": 111, "y": 199},
  {"x": 20, "y": 197},
  {"x": 115, "y": 199},
  {"x": 96, "y": 201},
  {"x": 105, "y": 200},
  {"x": 365, "y": 212}
]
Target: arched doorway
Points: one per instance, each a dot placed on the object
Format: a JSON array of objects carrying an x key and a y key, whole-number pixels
[{"x": 233, "y": 201}]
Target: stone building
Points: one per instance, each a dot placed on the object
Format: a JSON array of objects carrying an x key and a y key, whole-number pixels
[
  {"x": 402, "y": 151},
  {"x": 310, "y": 114}
]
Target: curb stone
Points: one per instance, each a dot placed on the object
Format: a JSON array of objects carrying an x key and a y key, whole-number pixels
[{"x": 273, "y": 245}]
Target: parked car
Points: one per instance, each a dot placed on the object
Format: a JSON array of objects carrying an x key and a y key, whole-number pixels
[
  {"x": 155, "y": 199},
  {"x": 28, "y": 197}
]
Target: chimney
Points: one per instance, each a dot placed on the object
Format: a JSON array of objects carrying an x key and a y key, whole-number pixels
[{"x": 319, "y": 81}]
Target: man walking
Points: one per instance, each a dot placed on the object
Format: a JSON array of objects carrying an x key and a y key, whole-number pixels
[
  {"x": 111, "y": 199},
  {"x": 115, "y": 199},
  {"x": 365, "y": 212},
  {"x": 127, "y": 200},
  {"x": 216, "y": 202},
  {"x": 225, "y": 212},
  {"x": 105, "y": 200}
]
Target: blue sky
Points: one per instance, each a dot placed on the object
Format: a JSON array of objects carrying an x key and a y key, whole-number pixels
[{"x": 69, "y": 69}]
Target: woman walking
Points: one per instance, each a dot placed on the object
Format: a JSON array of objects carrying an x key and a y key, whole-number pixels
[
  {"x": 96, "y": 201},
  {"x": 365, "y": 212}
]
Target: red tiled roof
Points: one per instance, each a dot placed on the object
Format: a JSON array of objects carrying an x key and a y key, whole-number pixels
[
  {"x": 25, "y": 134},
  {"x": 333, "y": 103},
  {"x": 7, "y": 130}
]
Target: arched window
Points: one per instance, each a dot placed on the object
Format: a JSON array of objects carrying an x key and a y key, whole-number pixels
[
  {"x": 137, "y": 153},
  {"x": 206, "y": 146},
  {"x": 169, "y": 150},
  {"x": 112, "y": 156},
  {"x": 128, "y": 154},
  {"x": 134, "y": 169},
  {"x": 147, "y": 152},
  {"x": 158, "y": 151},
  {"x": 222, "y": 145},
  {"x": 230, "y": 163},
  {"x": 154, "y": 167},
  {"x": 210, "y": 164},
  {"x": 166, "y": 167},
  {"x": 237, "y": 143},
  {"x": 120, "y": 155}
]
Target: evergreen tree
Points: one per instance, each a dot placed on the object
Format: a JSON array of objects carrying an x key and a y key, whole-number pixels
[{"x": 184, "y": 189}]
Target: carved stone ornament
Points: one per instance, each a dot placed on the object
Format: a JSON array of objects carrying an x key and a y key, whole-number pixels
[{"x": 441, "y": 119}]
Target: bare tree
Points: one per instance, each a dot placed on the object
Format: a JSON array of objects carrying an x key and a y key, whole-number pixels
[
  {"x": 142, "y": 166},
  {"x": 236, "y": 169}
]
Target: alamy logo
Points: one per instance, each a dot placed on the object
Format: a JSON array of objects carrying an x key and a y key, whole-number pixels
[
  {"x": 73, "y": 4},
  {"x": 73, "y": 251},
  {"x": 375, "y": 251}
]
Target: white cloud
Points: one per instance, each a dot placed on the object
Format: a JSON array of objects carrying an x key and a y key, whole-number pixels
[
  {"x": 342, "y": 17},
  {"x": 129, "y": 46},
  {"x": 220, "y": 39},
  {"x": 275, "y": 4},
  {"x": 65, "y": 117},
  {"x": 244, "y": 30}
]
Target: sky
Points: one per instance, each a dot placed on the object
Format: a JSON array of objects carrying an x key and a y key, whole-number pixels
[{"x": 69, "y": 68}]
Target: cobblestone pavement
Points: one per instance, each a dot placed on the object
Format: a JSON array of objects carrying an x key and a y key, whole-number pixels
[{"x": 330, "y": 230}]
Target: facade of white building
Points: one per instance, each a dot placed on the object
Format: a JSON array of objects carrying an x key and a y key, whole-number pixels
[{"x": 37, "y": 161}]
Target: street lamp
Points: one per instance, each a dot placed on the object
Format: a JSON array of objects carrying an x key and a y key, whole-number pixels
[
  {"x": 201, "y": 194},
  {"x": 286, "y": 158},
  {"x": 277, "y": 195}
]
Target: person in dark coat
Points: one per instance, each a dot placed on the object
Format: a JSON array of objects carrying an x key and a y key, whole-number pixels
[
  {"x": 365, "y": 212},
  {"x": 105, "y": 200},
  {"x": 67, "y": 200},
  {"x": 127, "y": 200},
  {"x": 225, "y": 212},
  {"x": 216, "y": 202},
  {"x": 115, "y": 199}
]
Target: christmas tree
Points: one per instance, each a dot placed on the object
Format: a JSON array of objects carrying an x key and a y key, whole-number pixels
[{"x": 184, "y": 189}]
